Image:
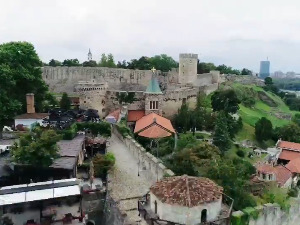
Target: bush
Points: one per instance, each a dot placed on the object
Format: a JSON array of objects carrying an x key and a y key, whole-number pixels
[
  {"x": 240, "y": 153},
  {"x": 199, "y": 136},
  {"x": 103, "y": 163},
  {"x": 102, "y": 128},
  {"x": 124, "y": 131},
  {"x": 70, "y": 133},
  {"x": 293, "y": 192}
]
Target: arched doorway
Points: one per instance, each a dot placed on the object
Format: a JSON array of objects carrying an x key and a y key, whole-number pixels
[
  {"x": 204, "y": 216},
  {"x": 155, "y": 207}
]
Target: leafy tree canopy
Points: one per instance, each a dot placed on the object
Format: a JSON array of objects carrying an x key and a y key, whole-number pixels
[
  {"x": 54, "y": 62},
  {"x": 107, "y": 61},
  {"x": 221, "y": 136},
  {"x": 290, "y": 132},
  {"x": 225, "y": 100},
  {"x": 90, "y": 63},
  {"x": 37, "y": 148},
  {"x": 71, "y": 62},
  {"x": 65, "y": 102},
  {"x": 163, "y": 62},
  {"x": 246, "y": 72},
  {"x": 20, "y": 73},
  {"x": 263, "y": 129}
]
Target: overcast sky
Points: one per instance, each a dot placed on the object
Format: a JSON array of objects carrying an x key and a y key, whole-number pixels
[{"x": 239, "y": 33}]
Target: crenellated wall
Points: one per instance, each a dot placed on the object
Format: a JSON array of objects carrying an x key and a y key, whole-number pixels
[
  {"x": 268, "y": 214},
  {"x": 150, "y": 166}
]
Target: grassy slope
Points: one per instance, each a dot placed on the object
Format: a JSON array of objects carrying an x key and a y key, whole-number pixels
[{"x": 251, "y": 115}]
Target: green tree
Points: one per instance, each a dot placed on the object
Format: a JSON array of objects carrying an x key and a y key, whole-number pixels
[
  {"x": 103, "y": 163},
  {"x": 234, "y": 175},
  {"x": 71, "y": 62},
  {"x": 194, "y": 160},
  {"x": 142, "y": 63},
  {"x": 103, "y": 60},
  {"x": 110, "y": 61},
  {"x": 296, "y": 119},
  {"x": 290, "y": 132},
  {"x": 221, "y": 137},
  {"x": 182, "y": 119},
  {"x": 163, "y": 62},
  {"x": 65, "y": 102},
  {"x": 268, "y": 81},
  {"x": 122, "y": 64},
  {"x": 37, "y": 148},
  {"x": 54, "y": 62},
  {"x": 20, "y": 73},
  {"x": 225, "y": 100},
  {"x": 203, "y": 67},
  {"x": 246, "y": 72},
  {"x": 263, "y": 129},
  {"x": 91, "y": 63}
]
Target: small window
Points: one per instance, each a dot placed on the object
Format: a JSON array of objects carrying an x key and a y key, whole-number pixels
[
  {"x": 84, "y": 102},
  {"x": 264, "y": 176},
  {"x": 270, "y": 176}
]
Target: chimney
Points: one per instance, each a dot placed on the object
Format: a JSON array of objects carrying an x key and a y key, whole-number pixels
[{"x": 30, "y": 103}]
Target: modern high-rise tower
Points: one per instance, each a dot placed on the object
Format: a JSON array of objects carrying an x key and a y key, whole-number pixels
[{"x": 264, "y": 70}]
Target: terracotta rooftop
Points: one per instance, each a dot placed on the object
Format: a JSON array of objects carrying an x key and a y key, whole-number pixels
[
  {"x": 154, "y": 126},
  {"x": 135, "y": 115},
  {"x": 294, "y": 165},
  {"x": 32, "y": 116},
  {"x": 289, "y": 145},
  {"x": 289, "y": 155},
  {"x": 186, "y": 191},
  {"x": 282, "y": 175},
  {"x": 266, "y": 168}
]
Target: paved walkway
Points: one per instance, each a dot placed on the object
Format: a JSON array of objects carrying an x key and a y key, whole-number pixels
[{"x": 125, "y": 182}]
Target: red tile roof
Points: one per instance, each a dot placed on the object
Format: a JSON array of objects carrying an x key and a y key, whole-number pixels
[
  {"x": 148, "y": 125},
  {"x": 289, "y": 155},
  {"x": 187, "y": 191},
  {"x": 289, "y": 145},
  {"x": 135, "y": 115},
  {"x": 294, "y": 165},
  {"x": 32, "y": 116},
  {"x": 282, "y": 175}
]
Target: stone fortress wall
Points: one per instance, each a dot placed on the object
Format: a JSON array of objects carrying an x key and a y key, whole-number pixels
[
  {"x": 97, "y": 86},
  {"x": 269, "y": 214},
  {"x": 150, "y": 166}
]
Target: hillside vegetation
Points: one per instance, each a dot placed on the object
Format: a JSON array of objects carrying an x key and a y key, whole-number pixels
[{"x": 258, "y": 103}]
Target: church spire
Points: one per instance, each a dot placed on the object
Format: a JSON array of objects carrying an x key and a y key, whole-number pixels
[{"x": 89, "y": 55}]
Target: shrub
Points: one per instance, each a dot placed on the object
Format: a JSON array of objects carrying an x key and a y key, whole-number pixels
[
  {"x": 103, "y": 163},
  {"x": 124, "y": 131},
  {"x": 293, "y": 192},
  {"x": 240, "y": 153},
  {"x": 199, "y": 136}
]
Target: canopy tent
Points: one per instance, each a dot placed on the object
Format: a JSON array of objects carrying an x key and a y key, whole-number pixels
[{"x": 111, "y": 119}]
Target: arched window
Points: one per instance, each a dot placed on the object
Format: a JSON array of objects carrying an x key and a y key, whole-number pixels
[
  {"x": 204, "y": 216},
  {"x": 155, "y": 207}
]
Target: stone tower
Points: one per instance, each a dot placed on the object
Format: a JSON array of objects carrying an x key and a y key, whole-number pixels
[
  {"x": 153, "y": 96},
  {"x": 90, "y": 57},
  {"x": 187, "y": 68}
]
